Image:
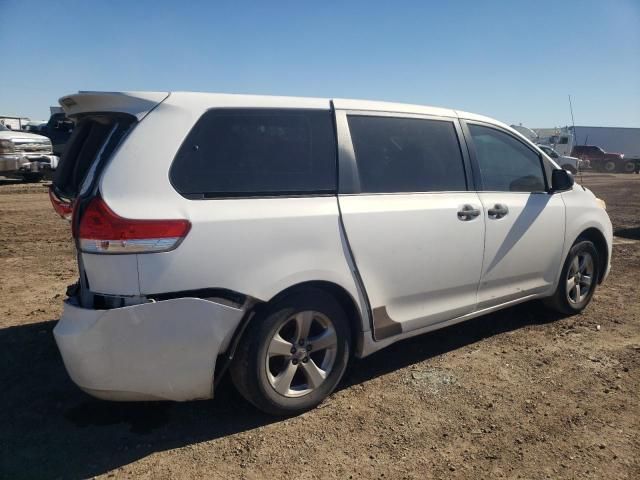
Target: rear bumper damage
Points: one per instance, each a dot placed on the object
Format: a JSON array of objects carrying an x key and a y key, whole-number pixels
[{"x": 162, "y": 350}]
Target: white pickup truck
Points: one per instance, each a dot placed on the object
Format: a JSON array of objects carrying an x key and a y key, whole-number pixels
[
  {"x": 25, "y": 155},
  {"x": 572, "y": 164}
]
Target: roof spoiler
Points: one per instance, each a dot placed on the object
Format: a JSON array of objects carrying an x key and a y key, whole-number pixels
[{"x": 138, "y": 104}]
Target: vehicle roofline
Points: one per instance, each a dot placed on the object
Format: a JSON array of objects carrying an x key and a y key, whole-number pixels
[{"x": 210, "y": 98}]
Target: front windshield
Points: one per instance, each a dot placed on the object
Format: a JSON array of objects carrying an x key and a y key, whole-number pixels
[{"x": 3, "y": 128}]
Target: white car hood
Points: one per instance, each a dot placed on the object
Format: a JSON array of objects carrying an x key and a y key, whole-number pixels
[{"x": 18, "y": 135}]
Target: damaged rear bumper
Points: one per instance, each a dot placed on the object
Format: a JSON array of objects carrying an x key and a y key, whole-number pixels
[{"x": 162, "y": 350}]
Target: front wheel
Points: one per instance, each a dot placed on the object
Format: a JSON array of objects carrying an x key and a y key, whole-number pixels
[
  {"x": 293, "y": 354},
  {"x": 32, "y": 177},
  {"x": 578, "y": 279},
  {"x": 609, "y": 166}
]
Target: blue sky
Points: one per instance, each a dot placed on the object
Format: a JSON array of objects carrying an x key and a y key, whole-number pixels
[{"x": 512, "y": 60}]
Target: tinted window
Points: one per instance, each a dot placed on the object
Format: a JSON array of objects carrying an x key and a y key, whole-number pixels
[
  {"x": 406, "y": 154},
  {"x": 259, "y": 151},
  {"x": 505, "y": 163},
  {"x": 89, "y": 145},
  {"x": 549, "y": 151},
  {"x": 589, "y": 149}
]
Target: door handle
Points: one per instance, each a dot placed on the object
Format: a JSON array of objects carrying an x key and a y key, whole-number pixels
[
  {"x": 468, "y": 212},
  {"x": 498, "y": 211}
]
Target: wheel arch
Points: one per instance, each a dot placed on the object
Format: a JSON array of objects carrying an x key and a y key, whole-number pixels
[
  {"x": 347, "y": 302},
  {"x": 598, "y": 239},
  {"x": 256, "y": 307}
]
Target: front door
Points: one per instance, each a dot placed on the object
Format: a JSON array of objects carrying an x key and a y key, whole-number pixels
[
  {"x": 415, "y": 231},
  {"x": 524, "y": 224}
]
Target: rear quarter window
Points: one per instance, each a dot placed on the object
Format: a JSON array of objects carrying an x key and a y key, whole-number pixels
[{"x": 249, "y": 152}]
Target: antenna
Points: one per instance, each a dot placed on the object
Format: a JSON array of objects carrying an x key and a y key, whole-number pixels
[
  {"x": 575, "y": 136},
  {"x": 572, "y": 120}
]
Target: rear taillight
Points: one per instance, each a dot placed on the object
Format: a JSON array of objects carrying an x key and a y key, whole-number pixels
[
  {"x": 102, "y": 231},
  {"x": 62, "y": 207}
]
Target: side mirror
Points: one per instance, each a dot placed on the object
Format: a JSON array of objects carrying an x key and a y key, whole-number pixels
[{"x": 561, "y": 181}]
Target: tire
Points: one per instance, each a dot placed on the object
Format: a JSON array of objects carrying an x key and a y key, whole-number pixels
[
  {"x": 263, "y": 364},
  {"x": 566, "y": 299},
  {"x": 628, "y": 167},
  {"x": 570, "y": 168},
  {"x": 32, "y": 177},
  {"x": 609, "y": 166}
]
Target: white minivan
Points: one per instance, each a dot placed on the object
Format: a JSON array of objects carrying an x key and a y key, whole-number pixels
[{"x": 276, "y": 237}]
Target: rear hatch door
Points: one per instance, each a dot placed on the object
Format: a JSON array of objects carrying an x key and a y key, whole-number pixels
[{"x": 103, "y": 121}]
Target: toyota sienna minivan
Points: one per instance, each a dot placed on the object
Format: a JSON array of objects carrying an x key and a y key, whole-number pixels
[{"x": 276, "y": 237}]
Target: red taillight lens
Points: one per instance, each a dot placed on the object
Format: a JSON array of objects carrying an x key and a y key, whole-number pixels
[
  {"x": 102, "y": 231},
  {"x": 62, "y": 208}
]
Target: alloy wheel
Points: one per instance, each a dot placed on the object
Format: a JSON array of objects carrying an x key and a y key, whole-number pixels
[
  {"x": 301, "y": 353},
  {"x": 580, "y": 277}
]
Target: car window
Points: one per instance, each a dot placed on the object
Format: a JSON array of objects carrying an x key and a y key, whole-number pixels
[
  {"x": 505, "y": 163},
  {"x": 242, "y": 152},
  {"x": 406, "y": 154},
  {"x": 550, "y": 151}
]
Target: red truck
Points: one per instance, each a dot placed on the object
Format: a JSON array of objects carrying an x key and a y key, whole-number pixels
[{"x": 603, "y": 161}]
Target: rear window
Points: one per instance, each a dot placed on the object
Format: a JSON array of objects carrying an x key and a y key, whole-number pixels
[
  {"x": 406, "y": 154},
  {"x": 243, "y": 152},
  {"x": 91, "y": 143}
]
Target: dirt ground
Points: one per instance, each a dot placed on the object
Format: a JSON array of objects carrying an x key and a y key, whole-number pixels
[{"x": 516, "y": 394}]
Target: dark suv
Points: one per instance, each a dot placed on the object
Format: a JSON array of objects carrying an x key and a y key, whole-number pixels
[{"x": 603, "y": 161}]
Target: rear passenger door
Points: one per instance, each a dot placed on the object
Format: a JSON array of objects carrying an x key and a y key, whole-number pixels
[
  {"x": 524, "y": 223},
  {"x": 415, "y": 230}
]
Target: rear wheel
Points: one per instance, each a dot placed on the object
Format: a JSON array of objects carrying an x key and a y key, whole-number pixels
[
  {"x": 629, "y": 166},
  {"x": 578, "y": 279},
  {"x": 294, "y": 354}
]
